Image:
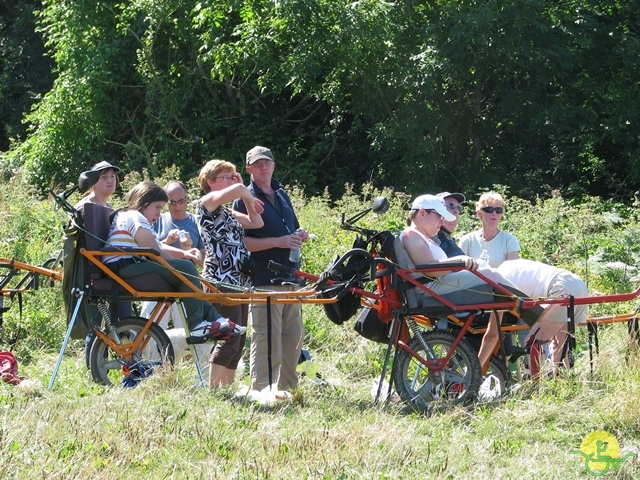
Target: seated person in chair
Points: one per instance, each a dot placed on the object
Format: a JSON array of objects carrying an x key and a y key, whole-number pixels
[
  {"x": 425, "y": 219},
  {"x": 132, "y": 227}
]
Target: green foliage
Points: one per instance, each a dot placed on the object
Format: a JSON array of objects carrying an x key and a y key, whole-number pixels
[
  {"x": 31, "y": 228},
  {"x": 25, "y": 72},
  {"x": 417, "y": 96}
]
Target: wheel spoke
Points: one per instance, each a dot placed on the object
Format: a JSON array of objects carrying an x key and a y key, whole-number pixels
[{"x": 423, "y": 388}]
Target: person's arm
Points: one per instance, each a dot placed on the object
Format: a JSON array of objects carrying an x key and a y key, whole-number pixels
[
  {"x": 253, "y": 217},
  {"x": 420, "y": 254},
  {"x": 513, "y": 255},
  {"x": 513, "y": 248},
  {"x": 254, "y": 206},
  {"x": 255, "y": 244},
  {"x": 146, "y": 239}
]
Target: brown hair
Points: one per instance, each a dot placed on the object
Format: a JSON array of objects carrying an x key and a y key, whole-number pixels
[
  {"x": 144, "y": 194},
  {"x": 212, "y": 169}
]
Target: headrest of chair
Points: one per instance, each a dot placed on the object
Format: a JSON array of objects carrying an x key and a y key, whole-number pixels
[
  {"x": 346, "y": 306},
  {"x": 96, "y": 225},
  {"x": 87, "y": 180},
  {"x": 356, "y": 263}
]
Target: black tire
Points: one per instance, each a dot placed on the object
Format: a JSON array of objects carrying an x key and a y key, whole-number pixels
[
  {"x": 422, "y": 388},
  {"x": 53, "y": 263},
  {"x": 106, "y": 366},
  {"x": 633, "y": 350},
  {"x": 494, "y": 382}
]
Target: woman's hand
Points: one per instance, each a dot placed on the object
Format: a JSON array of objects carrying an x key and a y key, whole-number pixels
[
  {"x": 254, "y": 204},
  {"x": 469, "y": 263}
]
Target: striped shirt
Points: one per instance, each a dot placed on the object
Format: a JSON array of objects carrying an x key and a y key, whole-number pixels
[{"x": 123, "y": 230}]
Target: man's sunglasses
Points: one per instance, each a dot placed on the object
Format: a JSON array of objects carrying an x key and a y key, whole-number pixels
[
  {"x": 498, "y": 210},
  {"x": 453, "y": 206}
]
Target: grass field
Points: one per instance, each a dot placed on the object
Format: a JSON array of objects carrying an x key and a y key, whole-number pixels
[{"x": 169, "y": 427}]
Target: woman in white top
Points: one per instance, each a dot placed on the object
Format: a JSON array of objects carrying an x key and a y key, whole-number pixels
[
  {"x": 132, "y": 227},
  {"x": 497, "y": 244},
  {"x": 426, "y": 216}
]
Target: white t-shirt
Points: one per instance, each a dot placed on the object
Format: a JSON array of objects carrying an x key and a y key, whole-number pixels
[
  {"x": 436, "y": 252},
  {"x": 540, "y": 280},
  {"x": 498, "y": 247},
  {"x": 123, "y": 231},
  {"x": 533, "y": 278}
]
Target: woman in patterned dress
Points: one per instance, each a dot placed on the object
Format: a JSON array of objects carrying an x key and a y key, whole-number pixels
[{"x": 226, "y": 256}]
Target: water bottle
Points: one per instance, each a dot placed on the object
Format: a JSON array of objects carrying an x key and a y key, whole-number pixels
[
  {"x": 294, "y": 254},
  {"x": 484, "y": 256}
]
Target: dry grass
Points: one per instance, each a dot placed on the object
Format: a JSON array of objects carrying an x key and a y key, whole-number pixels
[{"x": 168, "y": 428}]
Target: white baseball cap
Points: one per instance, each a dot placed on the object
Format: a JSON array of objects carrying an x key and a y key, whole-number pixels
[{"x": 433, "y": 202}]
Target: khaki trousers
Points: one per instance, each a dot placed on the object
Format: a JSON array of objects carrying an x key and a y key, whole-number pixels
[{"x": 286, "y": 342}]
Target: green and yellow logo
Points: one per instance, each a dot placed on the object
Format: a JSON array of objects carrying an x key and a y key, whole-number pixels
[{"x": 601, "y": 451}]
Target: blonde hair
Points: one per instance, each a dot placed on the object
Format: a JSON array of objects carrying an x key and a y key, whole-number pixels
[
  {"x": 212, "y": 169},
  {"x": 489, "y": 197}
]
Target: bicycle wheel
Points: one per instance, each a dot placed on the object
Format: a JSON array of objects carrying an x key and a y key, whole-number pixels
[
  {"x": 494, "y": 382},
  {"x": 54, "y": 263},
  {"x": 108, "y": 368},
  {"x": 425, "y": 389}
]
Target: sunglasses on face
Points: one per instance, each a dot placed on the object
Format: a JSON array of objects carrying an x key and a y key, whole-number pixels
[
  {"x": 498, "y": 210},
  {"x": 429, "y": 212},
  {"x": 454, "y": 208}
]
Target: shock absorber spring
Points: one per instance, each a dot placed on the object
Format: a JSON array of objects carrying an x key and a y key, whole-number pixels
[
  {"x": 105, "y": 311},
  {"x": 415, "y": 329}
]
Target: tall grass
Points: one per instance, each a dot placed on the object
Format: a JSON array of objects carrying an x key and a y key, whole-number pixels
[{"x": 171, "y": 428}]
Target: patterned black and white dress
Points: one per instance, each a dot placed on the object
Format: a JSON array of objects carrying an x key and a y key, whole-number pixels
[{"x": 223, "y": 239}]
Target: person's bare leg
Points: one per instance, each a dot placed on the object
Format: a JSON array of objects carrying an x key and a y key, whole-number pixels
[
  {"x": 556, "y": 346},
  {"x": 489, "y": 343},
  {"x": 220, "y": 376},
  {"x": 549, "y": 324}
]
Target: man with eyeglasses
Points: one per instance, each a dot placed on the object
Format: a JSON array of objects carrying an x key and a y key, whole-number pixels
[
  {"x": 178, "y": 227},
  {"x": 453, "y": 202}
]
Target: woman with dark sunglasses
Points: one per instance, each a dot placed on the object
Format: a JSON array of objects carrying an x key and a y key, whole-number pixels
[{"x": 490, "y": 243}]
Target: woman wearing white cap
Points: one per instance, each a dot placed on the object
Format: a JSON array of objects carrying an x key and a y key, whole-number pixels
[{"x": 428, "y": 212}]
